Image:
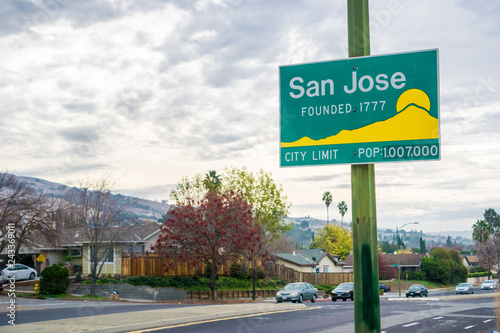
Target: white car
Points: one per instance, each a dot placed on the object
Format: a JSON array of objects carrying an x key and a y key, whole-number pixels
[
  {"x": 488, "y": 284},
  {"x": 19, "y": 271}
]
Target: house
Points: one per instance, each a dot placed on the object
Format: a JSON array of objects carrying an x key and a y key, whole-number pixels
[
  {"x": 75, "y": 244},
  {"x": 306, "y": 261},
  {"x": 470, "y": 261},
  {"x": 408, "y": 262}
]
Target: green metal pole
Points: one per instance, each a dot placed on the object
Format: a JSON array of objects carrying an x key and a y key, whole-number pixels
[
  {"x": 364, "y": 217},
  {"x": 397, "y": 252}
]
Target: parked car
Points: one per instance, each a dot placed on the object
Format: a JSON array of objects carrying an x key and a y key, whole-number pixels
[
  {"x": 417, "y": 290},
  {"x": 343, "y": 291},
  {"x": 385, "y": 287},
  {"x": 19, "y": 271},
  {"x": 297, "y": 292},
  {"x": 488, "y": 284},
  {"x": 1, "y": 286},
  {"x": 464, "y": 288}
]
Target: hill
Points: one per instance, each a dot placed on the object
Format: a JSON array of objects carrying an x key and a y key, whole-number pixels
[{"x": 136, "y": 207}]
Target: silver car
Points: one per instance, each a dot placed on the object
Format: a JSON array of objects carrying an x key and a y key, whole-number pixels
[
  {"x": 464, "y": 288},
  {"x": 488, "y": 284},
  {"x": 297, "y": 292}
]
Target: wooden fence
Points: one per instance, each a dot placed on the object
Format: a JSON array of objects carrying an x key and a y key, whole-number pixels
[
  {"x": 149, "y": 264},
  {"x": 290, "y": 275}
]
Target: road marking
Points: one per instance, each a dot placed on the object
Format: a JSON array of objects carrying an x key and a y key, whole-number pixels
[
  {"x": 437, "y": 318},
  {"x": 469, "y": 327},
  {"x": 412, "y": 324},
  {"x": 215, "y": 320},
  {"x": 487, "y": 321}
]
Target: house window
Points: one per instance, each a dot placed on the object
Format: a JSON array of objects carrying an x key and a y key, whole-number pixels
[
  {"x": 75, "y": 253},
  {"x": 105, "y": 254},
  {"x": 325, "y": 269}
]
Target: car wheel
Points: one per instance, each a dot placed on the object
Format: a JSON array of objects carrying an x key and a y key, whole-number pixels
[
  {"x": 301, "y": 299},
  {"x": 313, "y": 300},
  {"x": 344, "y": 299},
  {"x": 407, "y": 296},
  {"x": 278, "y": 301},
  {"x": 32, "y": 276},
  {"x": 472, "y": 291},
  {"x": 334, "y": 300},
  {"x": 294, "y": 301},
  {"x": 426, "y": 294}
]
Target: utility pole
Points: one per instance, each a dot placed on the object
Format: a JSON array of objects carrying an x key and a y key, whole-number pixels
[{"x": 364, "y": 215}]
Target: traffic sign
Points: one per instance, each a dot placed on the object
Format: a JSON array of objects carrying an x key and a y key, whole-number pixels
[
  {"x": 40, "y": 258},
  {"x": 360, "y": 110}
]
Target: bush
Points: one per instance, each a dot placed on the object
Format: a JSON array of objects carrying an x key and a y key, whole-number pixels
[
  {"x": 478, "y": 269},
  {"x": 54, "y": 280},
  {"x": 238, "y": 271},
  {"x": 420, "y": 275}
]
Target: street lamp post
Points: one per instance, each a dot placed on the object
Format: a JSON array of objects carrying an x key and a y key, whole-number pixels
[{"x": 397, "y": 252}]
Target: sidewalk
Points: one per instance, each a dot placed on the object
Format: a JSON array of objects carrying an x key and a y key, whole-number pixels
[{"x": 130, "y": 321}]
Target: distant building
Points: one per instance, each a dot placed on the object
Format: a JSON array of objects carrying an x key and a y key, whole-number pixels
[{"x": 306, "y": 261}]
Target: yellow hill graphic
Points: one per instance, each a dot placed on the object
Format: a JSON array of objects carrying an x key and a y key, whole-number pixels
[{"x": 413, "y": 123}]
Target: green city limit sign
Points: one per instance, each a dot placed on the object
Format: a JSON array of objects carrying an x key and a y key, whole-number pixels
[{"x": 360, "y": 110}]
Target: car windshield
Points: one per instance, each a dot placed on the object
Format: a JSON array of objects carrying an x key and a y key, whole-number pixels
[
  {"x": 415, "y": 287},
  {"x": 463, "y": 285},
  {"x": 293, "y": 286},
  {"x": 488, "y": 282},
  {"x": 344, "y": 286}
]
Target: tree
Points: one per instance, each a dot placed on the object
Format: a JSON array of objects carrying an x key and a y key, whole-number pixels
[
  {"x": 385, "y": 270},
  {"x": 96, "y": 216},
  {"x": 327, "y": 198},
  {"x": 334, "y": 240},
  {"x": 304, "y": 224},
  {"x": 212, "y": 181},
  {"x": 481, "y": 231},
  {"x": 270, "y": 206},
  {"x": 422, "y": 246},
  {"x": 30, "y": 213},
  {"x": 444, "y": 266},
  {"x": 489, "y": 253},
  {"x": 493, "y": 219},
  {"x": 342, "y": 210},
  {"x": 449, "y": 242},
  {"x": 220, "y": 227}
]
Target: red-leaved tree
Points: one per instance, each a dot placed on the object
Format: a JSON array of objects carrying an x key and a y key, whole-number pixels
[{"x": 218, "y": 228}]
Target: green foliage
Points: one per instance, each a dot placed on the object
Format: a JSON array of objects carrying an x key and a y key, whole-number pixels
[
  {"x": 54, "y": 280},
  {"x": 195, "y": 282},
  {"x": 477, "y": 269},
  {"x": 326, "y": 287},
  {"x": 334, "y": 240},
  {"x": 420, "y": 275},
  {"x": 444, "y": 266},
  {"x": 238, "y": 271}
]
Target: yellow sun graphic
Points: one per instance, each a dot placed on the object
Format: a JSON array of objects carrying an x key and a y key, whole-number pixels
[{"x": 413, "y": 96}]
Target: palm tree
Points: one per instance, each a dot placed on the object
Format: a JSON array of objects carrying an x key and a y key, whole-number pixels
[
  {"x": 481, "y": 231},
  {"x": 342, "y": 210},
  {"x": 327, "y": 198},
  {"x": 212, "y": 181}
]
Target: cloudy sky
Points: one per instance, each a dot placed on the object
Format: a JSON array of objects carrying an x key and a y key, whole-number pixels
[{"x": 157, "y": 90}]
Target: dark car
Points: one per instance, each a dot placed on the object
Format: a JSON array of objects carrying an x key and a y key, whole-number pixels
[
  {"x": 297, "y": 292},
  {"x": 417, "y": 290},
  {"x": 343, "y": 291},
  {"x": 385, "y": 287},
  {"x": 1, "y": 286}
]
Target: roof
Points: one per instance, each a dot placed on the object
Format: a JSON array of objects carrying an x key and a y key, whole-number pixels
[
  {"x": 471, "y": 259},
  {"x": 73, "y": 237},
  {"x": 405, "y": 259},
  {"x": 310, "y": 257}
]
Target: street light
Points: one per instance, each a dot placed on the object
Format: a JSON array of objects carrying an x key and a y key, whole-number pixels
[{"x": 397, "y": 252}]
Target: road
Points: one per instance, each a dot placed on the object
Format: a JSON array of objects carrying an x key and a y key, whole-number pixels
[
  {"x": 413, "y": 315},
  {"x": 452, "y": 313}
]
